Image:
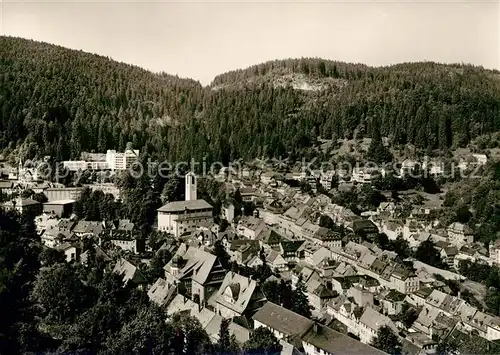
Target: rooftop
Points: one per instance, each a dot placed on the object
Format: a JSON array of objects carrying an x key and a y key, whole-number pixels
[
  {"x": 283, "y": 320},
  {"x": 60, "y": 202},
  {"x": 179, "y": 206},
  {"x": 334, "y": 342}
]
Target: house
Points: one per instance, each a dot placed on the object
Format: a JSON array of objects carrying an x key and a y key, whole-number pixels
[
  {"x": 446, "y": 303},
  {"x": 270, "y": 238},
  {"x": 362, "y": 176},
  {"x": 370, "y": 322},
  {"x": 326, "y": 179},
  {"x": 197, "y": 271},
  {"x": 248, "y": 194},
  {"x": 275, "y": 261},
  {"x": 321, "y": 340},
  {"x": 404, "y": 280},
  {"x": 238, "y": 296},
  {"x": 392, "y": 229},
  {"x": 24, "y": 206},
  {"x": 53, "y": 236},
  {"x": 392, "y": 303},
  {"x": 98, "y": 255},
  {"x": 494, "y": 252},
  {"x": 386, "y": 209},
  {"x": 460, "y": 234},
  {"x": 254, "y": 262},
  {"x": 267, "y": 177},
  {"x": 6, "y": 187},
  {"x": 88, "y": 228},
  {"x": 474, "y": 253},
  {"x": 209, "y": 320},
  {"x": 180, "y": 217},
  {"x": 424, "y": 344},
  {"x": 433, "y": 167},
  {"x": 308, "y": 229},
  {"x": 284, "y": 323},
  {"x": 419, "y": 297},
  {"x": 448, "y": 255},
  {"x": 129, "y": 272},
  {"x": 125, "y": 240},
  {"x": 363, "y": 227},
  {"x": 244, "y": 251},
  {"x": 181, "y": 304},
  {"x": 211, "y": 323},
  {"x": 70, "y": 251},
  {"x": 291, "y": 251},
  {"x": 250, "y": 227},
  {"x": 327, "y": 238},
  {"x": 320, "y": 297},
  {"x": 407, "y": 167},
  {"x": 418, "y": 238},
  {"x": 161, "y": 293},
  {"x": 481, "y": 159},
  {"x": 360, "y": 295}
]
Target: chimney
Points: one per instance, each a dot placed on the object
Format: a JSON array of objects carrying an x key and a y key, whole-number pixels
[{"x": 315, "y": 328}]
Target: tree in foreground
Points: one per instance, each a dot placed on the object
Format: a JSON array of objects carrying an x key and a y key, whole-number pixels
[
  {"x": 387, "y": 341},
  {"x": 300, "y": 303},
  {"x": 227, "y": 343},
  {"x": 263, "y": 342},
  {"x": 427, "y": 253},
  {"x": 189, "y": 336},
  {"x": 147, "y": 333}
]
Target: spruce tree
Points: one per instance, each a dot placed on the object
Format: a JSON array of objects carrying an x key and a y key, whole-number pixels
[
  {"x": 300, "y": 303},
  {"x": 377, "y": 153}
]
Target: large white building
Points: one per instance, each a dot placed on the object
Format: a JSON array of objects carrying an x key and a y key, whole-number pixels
[
  {"x": 121, "y": 161},
  {"x": 112, "y": 160},
  {"x": 184, "y": 216}
]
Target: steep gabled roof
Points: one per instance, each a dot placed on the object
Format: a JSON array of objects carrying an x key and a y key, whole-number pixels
[{"x": 241, "y": 288}]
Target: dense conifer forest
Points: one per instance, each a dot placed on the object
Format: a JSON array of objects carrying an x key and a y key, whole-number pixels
[{"x": 60, "y": 102}]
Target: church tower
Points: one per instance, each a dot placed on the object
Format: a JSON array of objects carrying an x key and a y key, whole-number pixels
[{"x": 190, "y": 186}]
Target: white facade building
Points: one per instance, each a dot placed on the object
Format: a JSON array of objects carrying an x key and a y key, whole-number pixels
[
  {"x": 121, "y": 161},
  {"x": 112, "y": 160},
  {"x": 184, "y": 216}
]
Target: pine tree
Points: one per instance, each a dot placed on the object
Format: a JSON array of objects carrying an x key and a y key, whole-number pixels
[
  {"x": 300, "y": 303},
  {"x": 387, "y": 341},
  {"x": 227, "y": 343},
  {"x": 377, "y": 152}
]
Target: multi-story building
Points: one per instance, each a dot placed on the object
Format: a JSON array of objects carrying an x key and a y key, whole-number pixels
[
  {"x": 112, "y": 160},
  {"x": 184, "y": 216},
  {"x": 238, "y": 296},
  {"x": 24, "y": 205},
  {"x": 460, "y": 234},
  {"x": 494, "y": 250},
  {"x": 196, "y": 271}
]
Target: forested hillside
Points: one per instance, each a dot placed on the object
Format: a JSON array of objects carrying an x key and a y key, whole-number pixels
[{"x": 61, "y": 102}]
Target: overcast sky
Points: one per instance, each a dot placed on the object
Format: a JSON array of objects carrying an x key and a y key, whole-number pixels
[{"x": 202, "y": 39}]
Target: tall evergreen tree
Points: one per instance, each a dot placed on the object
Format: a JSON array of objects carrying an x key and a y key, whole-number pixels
[
  {"x": 387, "y": 341},
  {"x": 300, "y": 302}
]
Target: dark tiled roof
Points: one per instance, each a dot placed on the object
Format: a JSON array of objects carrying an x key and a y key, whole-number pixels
[{"x": 291, "y": 247}]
